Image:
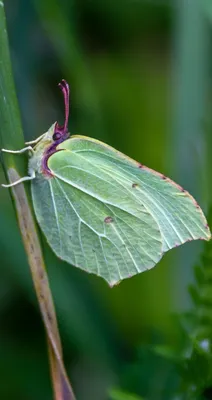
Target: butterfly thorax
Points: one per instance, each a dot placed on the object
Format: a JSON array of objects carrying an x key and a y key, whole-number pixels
[
  {"x": 45, "y": 148},
  {"x": 40, "y": 149}
]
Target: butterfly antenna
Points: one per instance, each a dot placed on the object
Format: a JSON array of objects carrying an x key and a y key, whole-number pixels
[{"x": 63, "y": 85}]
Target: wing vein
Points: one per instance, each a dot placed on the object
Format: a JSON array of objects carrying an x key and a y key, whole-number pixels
[{"x": 166, "y": 199}]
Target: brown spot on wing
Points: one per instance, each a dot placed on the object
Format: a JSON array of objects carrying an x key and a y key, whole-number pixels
[{"x": 108, "y": 220}]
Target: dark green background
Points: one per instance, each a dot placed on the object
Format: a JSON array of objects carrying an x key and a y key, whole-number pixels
[{"x": 140, "y": 79}]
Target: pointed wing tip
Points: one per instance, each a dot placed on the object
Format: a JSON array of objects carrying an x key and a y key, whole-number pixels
[
  {"x": 112, "y": 284},
  {"x": 207, "y": 234}
]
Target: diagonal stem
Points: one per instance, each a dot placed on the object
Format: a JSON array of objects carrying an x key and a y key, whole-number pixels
[
  {"x": 40, "y": 279},
  {"x": 15, "y": 167}
]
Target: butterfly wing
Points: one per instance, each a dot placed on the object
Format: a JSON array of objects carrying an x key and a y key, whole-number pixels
[{"x": 107, "y": 214}]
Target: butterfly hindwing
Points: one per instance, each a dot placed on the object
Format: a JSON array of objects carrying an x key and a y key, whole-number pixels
[
  {"x": 94, "y": 223},
  {"x": 107, "y": 214}
]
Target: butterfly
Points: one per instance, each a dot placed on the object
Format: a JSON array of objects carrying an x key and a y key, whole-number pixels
[{"x": 102, "y": 211}]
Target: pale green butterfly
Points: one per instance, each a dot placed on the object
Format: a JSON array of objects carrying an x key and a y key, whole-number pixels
[{"x": 102, "y": 211}]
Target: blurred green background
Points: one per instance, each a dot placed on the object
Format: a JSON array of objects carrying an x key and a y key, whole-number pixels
[{"x": 140, "y": 79}]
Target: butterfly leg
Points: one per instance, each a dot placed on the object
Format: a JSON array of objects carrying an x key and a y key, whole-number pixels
[
  {"x": 28, "y": 148},
  {"x": 24, "y": 179},
  {"x": 36, "y": 140}
]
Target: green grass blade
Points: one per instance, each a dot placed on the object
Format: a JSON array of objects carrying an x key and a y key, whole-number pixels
[{"x": 11, "y": 137}]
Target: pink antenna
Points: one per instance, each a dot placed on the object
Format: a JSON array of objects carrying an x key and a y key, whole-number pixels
[{"x": 63, "y": 85}]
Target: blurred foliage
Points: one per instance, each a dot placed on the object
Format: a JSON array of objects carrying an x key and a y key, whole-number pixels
[
  {"x": 126, "y": 62},
  {"x": 197, "y": 366}
]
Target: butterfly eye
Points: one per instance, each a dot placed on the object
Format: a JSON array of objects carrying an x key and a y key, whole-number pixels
[{"x": 56, "y": 136}]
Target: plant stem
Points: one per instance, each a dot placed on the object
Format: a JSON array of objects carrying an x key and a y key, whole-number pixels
[{"x": 11, "y": 137}]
